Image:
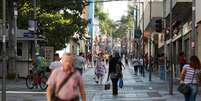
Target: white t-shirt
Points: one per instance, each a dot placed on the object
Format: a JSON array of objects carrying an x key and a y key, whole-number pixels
[{"x": 55, "y": 64}]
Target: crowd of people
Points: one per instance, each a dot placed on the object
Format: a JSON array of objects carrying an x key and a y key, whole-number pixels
[{"x": 66, "y": 83}]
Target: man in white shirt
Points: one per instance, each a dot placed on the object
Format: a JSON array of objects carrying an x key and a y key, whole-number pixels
[{"x": 56, "y": 63}]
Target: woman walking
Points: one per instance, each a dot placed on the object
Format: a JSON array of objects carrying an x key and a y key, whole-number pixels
[
  {"x": 188, "y": 77},
  {"x": 100, "y": 70},
  {"x": 115, "y": 72}
]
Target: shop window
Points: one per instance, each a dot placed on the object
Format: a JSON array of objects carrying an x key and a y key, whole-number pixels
[{"x": 19, "y": 49}]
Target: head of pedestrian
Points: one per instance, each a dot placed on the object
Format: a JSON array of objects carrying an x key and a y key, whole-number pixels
[
  {"x": 56, "y": 57},
  {"x": 68, "y": 62},
  {"x": 81, "y": 54},
  {"x": 195, "y": 62}
]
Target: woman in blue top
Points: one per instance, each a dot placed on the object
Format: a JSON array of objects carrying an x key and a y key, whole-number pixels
[{"x": 188, "y": 76}]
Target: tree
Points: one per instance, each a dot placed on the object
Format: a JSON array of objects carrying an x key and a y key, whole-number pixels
[
  {"x": 106, "y": 24},
  {"x": 125, "y": 23},
  {"x": 52, "y": 22}
]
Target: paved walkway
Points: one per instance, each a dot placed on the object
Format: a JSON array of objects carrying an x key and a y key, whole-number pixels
[{"x": 136, "y": 88}]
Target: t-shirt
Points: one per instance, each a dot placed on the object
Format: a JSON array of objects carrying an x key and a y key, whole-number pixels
[
  {"x": 69, "y": 89},
  {"x": 79, "y": 62},
  {"x": 190, "y": 74},
  {"x": 55, "y": 64}
]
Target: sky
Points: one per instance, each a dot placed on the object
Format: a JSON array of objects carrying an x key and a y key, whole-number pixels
[{"x": 116, "y": 9}]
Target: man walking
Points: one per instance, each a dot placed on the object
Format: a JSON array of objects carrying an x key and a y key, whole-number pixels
[
  {"x": 66, "y": 83},
  {"x": 56, "y": 63},
  {"x": 79, "y": 63}
]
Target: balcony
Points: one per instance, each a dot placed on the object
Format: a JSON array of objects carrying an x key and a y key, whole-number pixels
[{"x": 156, "y": 13}]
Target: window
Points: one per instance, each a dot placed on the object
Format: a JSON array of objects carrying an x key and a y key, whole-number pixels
[{"x": 19, "y": 49}]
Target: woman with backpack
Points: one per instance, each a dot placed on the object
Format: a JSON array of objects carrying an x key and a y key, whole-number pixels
[
  {"x": 189, "y": 78},
  {"x": 115, "y": 72}
]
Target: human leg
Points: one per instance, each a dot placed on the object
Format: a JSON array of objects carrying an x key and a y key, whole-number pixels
[
  {"x": 194, "y": 91},
  {"x": 114, "y": 86}
]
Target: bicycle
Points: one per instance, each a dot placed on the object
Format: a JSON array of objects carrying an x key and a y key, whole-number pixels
[{"x": 36, "y": 78}]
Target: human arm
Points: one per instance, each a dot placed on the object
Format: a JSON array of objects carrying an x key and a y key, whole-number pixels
[
  {"x": 51, "y": 85},
  {"x": 49, "y": 92},
  {"x": 182, "y": 75},
  {"x": 82, "y": 90}
]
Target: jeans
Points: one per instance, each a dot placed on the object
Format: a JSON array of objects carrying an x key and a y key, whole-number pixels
[
  {"x": 193, "y": 93},
  {"x": 136, "y": 69},
  {"x": 115, "y": 86}
]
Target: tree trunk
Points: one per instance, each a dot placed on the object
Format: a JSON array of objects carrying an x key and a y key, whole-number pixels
[{"x": 11, "y": 42}]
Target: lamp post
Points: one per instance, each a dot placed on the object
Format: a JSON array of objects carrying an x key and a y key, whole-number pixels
[{"x": 4, "y": 69}]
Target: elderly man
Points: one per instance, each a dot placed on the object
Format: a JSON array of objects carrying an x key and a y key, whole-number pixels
[{"x": 66, "y": 83}]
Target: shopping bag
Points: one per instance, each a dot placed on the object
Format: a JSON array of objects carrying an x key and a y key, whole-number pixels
[
  {"x": 107, "y": 85},
  {"x": 121, "y": 83}
]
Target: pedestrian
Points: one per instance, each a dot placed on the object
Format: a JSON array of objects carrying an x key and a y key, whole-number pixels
[
  {"x": 100, "y": 70},
  {"x": 89, "y": 60},
  {"x": 136, "y": 65},
  {"x": 79, "y": 62},
  {"x": 141, "y": 66},
  {"x": 56, "y": 63},
  {"x": 66, "y": 83},
  {"x": 182, "y": 60},
  {"x": 162, "y": 66},
  {"x": 115, "y": 72},
  {"x": 188, "y": 76}
]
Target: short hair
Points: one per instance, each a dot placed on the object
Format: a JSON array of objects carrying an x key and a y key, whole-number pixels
[
  {"x": 80, "y": 54},
  {"x": 56, "y": 54}
]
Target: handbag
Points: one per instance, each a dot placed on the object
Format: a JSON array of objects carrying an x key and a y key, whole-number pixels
[
  {"x": 185, "y": 88},
  {"x": 107, "y": 85},
  {"x": 55, "y": 92}
]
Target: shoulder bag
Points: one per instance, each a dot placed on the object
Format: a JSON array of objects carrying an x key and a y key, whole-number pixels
[
  {"x": 185, "y": 88},
  {"x": 55, "y": 92}
]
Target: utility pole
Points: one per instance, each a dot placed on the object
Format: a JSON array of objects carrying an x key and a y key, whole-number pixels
[
  {"x": 150, "y": 41},
  {"x": 4, "y": 69},
  {"x": 171, "y": 59},
  {"x": 193, "y": 43}
]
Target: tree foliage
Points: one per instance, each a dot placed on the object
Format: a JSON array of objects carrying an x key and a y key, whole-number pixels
[
  {"x": 57, "y": 27},
  {"x": 105, "y": 23},
  {"x": 125, "y": 23}
]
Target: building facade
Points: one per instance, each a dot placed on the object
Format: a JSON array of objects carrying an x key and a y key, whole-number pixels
[{"x": 25, "y": 53}]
